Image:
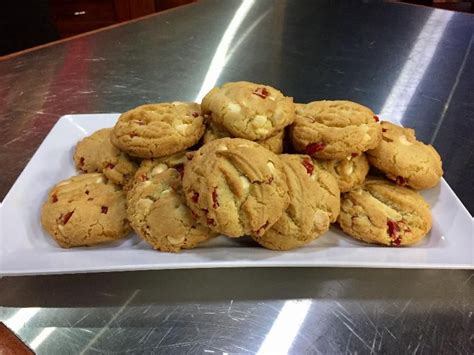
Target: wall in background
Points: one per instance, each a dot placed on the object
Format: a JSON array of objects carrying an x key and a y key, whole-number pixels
[{"x": 28, "y": 23}]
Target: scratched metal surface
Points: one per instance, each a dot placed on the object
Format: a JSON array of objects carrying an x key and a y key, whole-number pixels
[{"x": 412, "y": 63}]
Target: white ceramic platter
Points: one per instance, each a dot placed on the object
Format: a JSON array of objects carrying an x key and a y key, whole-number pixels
[{"x": 26, "y": 249}]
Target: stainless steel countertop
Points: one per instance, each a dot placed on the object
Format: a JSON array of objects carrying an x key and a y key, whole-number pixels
[{"x": 408, "y": 62}]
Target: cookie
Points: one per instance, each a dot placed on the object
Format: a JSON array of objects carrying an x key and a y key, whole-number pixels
[
  {"x": 349, "y": 172},
  {"x": 149, "y": 168},
  {"x": 384, "y": 213},
  {"x": 156, "y": 207},
  {"x": 157, "y": 130},
  {"x": 273, "y": 143},
  {"x": 334, "y": 129},
  {"x": 213, "y": 132},
  {"x": 248, "y": 110},
  {"x": 406, "y": 160},
  {"x": 85, "y": 210},
  {"x": 96, "y": 153},
  {"x": 236, "y": 187},
  {"x": 314, "y": 204}
]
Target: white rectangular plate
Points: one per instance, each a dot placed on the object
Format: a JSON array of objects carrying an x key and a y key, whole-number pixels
[{"x": 26, "y": 249}]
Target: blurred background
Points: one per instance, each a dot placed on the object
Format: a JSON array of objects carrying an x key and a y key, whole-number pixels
[{"x": 28, "y": 23}]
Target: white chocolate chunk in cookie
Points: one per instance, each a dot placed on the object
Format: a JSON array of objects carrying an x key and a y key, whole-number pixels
[
  {"x": 261, "y": 131},
  {"x": 259, "y": 121},
  {"x": 159, "y": 169},
  {"x": 271, "y": 167},
  {"x": 181, "y": 128},
  {"x": 349, "y": 169},
  {"x": 233, "y": 107},
  {"x": 165, "y": 192},
  {"x": 404, "y": 141},
  {"x": 145, "y": 204},
  {"x": 176, "y": 239},
  {"x": 245, "y": 183}
]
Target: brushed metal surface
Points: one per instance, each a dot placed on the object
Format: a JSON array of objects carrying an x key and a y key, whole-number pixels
[{"x": 412, "y": 63}]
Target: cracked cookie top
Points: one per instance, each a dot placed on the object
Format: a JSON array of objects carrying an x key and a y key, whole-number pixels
[
  {"x": 96, "y": 153},
  {"x": 384, "y": 213},
  {"x": 334, "y": 129},
  {"x": 236, "y": 187},
  {"x": 85, "y": 210},
  {"x": 314, "y": 204},
  {"x": 157, "y": 209},
  {"x": 248, "y": 110},
  {"x": 406, "y": 160},
  {"x": 156, "y": 130}
]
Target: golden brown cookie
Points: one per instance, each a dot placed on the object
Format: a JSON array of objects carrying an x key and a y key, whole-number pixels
[
  {"x": 406, "y": 160},
  {"x": 85, "y": 210},
  {"x": 334, "y": 129},
  {"x": 349, "y": 172},
  {"x": 213, "y": 132},
  {"x": 384, "y": 213},
  {"x": 248, "y": 110},
  {"x": 314, "y": 204},
  {"x": 157, "y": 130},
  {"x": 96, "y": 153},
  {"x": 236, "y": 187},
  {"x": 157, "y": 210},
  {"x": 149, "y": 168},
  {"x": 273, "y": 143}
]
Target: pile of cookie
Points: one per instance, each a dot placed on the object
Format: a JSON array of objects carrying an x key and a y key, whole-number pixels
[{"x": 247, "y": 161}]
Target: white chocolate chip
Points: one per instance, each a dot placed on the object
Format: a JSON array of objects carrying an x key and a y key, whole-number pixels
[
  {"x": 146, "y": 183},
  {"x": 259, "y": 121},
  {"x": 349, "y": 169},
  {"x": 321, "y": 219},
  {"x": 271, "y": 98},
  {"x": 222, "y": 147},
  {"x": 404, "y": 141},
  {"x": 261, "y": 131},
  {"x": 245, "y": 183},
  {"x": 365, "y": 128},
  {"x": 61, "y": 228},
  {"x": 176, "y": 239},
  {"x": 232, "y": 107},
  {"x": 100, "y": 180},
  {"x": 145, "y": 204},
  {"x": 181, "y": 128},
  {"x": 159, "y": 169},
  {"x": 271, "y": 167},
  {"x": 165, "y": 192}
]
